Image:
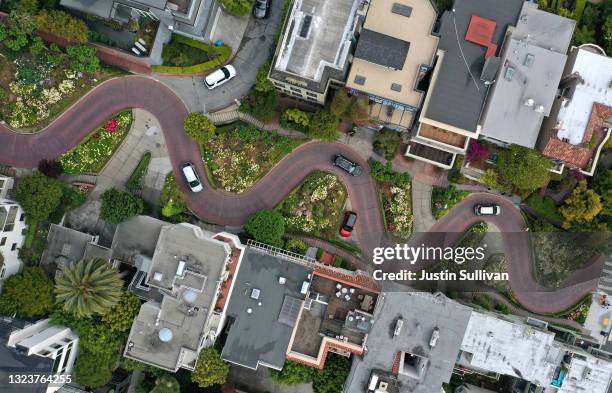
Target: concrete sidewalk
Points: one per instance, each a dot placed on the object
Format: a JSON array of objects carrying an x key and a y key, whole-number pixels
[{"x": 421, "y": 206}]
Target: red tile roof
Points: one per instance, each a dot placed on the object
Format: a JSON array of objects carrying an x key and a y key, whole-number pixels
[
  {"x": 349, "y": 278},
  {"x": 396, "y": 363},
  {"x": 574, "y": 156},
  {"x": 480, "y": 31}
]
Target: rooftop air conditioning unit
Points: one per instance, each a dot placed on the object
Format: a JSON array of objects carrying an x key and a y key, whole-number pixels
[{"x": 398, "y": 327}]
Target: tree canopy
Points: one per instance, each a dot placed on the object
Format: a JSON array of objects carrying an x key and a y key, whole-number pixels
[
  {"x": 118, "y": 206},
  {"x": 581, "y": 206},
  {"x": 210, "y": 369},
  {"x": 266, "y": 226},
  {"x": 83, "y": 59},
  {"x": 199, "y": 127},
  {"x": 262, "y": 83},
  {"x": 340, "y": 103},
  {"x": 63, "y": 24},
  {"x": 324, "y": 125},
  {"x": 39, "y": 195},
  {"x": 121, "y": 316},
  {"x": 524, "y": 168},
  {"x": 28, "y": 293}
]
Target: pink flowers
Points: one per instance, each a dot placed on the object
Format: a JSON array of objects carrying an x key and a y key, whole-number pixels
[
  {"x": 111, "y": 125},
  {"x": 476, "y": 151}
]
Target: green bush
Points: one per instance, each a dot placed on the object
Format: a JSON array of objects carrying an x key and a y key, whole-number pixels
[
  {"x": 502, "y": 308},
  {"x": 266, "y": 226},
  {"x": 386, "y": 143},
  {"x": 384, "y": 173},
  {"x": 324, "y": 125},
  {"x": 260, "y": 104},
  {"x": 135, "y": 182},
  {"x": 219, "y": 55},
  {"x": 297, "y": 246},
  {"x": 83, "y": 58},
  {"x": 199, "y": 127},
  {"x": 28, "y": 293},
  {"x": 118, "y": 206},
  {"x": 545, "y": 206},
  {"x": 63, "y": 24},
  {"x": 238, "y": 7}
]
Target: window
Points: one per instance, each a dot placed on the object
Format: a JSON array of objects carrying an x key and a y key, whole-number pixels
[
  {"x": 14, "y": 247},
  {"x": 360, "y": 80},
  {"x": 509, "y": 74},
  {"x": 3, "y": 241},
  {"x": 396, "y": 87},
  {"x": 309, "y": 94},
  {"x": 529, "y": 59},
  {"x": 22, "y": 217},
  {"x": 295, "y": 89}
]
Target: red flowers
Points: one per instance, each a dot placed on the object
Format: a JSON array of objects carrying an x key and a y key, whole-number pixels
[{"x": 111, "y": 125}]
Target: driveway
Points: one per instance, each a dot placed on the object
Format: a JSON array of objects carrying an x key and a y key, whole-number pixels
[
  {"x": 257, "y": 46},
  {"x": 220, "y": 207}
]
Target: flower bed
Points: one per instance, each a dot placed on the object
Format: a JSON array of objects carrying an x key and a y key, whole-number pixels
[
  {"x": 316, "y": 206},
  {"x": 396, "y": 198},
  {"x": 92, "y": 154},
  {"x": 240, "y": 154}
]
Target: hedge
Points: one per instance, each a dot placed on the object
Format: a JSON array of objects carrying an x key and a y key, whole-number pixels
[{"x": 222, "y": 54}]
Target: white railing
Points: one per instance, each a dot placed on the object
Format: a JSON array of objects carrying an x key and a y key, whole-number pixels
[{"x": 281, "y": 253}]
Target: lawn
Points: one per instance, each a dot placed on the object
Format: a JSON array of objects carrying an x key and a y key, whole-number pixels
[
  {"x": 240, "y": 154},
  {"x": 444, "y": 199},
  {"x": 545, "y": 206},
  {"x": 92, "y": 154},
  {"x": 395, "y": 190},
  {"x": 316, "y": 206}
]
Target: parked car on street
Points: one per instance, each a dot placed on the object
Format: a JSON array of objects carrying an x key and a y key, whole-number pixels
[
  {"x": 262, "y": 9},
  {"x": 220, "y": 76},
  {"x": 487, "y": 210},
  {"x": 348, "y": 224},
  {"x": 351, "y": 167},
  {"x": 193, "y": 181}
]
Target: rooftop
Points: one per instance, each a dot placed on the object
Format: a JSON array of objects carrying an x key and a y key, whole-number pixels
[
  {"x": 317, "y": 39},
  {"x": 265, "y": 300},
  {"x": 137, "y": 236},
  {"x": 392, "y": 47},
  {"x": 532, "y": 64},
  {"x": 457, "y": 93},
  {"x": 187, "y": 264},
  {"x": 66, "y": 246},
  {"x": 421, "y": 313}
]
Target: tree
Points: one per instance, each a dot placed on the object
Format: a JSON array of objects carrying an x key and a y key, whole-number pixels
[
  {"x": 292, "y": 374},
  {"x": 324, "y": 125},
  {"x": 297, "y": 116},
  {"x": 83, "y": 58},
  {"x": 20, "y": 26},
  {"x": 581, "y": 206},
  {"x": 262, "y": 83},
  {"x": 332, "y": 377},
  {"x": 120, "y": 317},
  {"x": 238, "y": 7},
  {"x": 260, "y": 104},
  {"x": 607, "y": 34},
  {"x": 358, "y": 111},
  {"x": 199, "y": 127},
  {"x": 583, "y": 35},
  {"x": 63, "y": 25},
  {"x": 340, "y": 103},
  {"x": 90, "y": 286},
  {"x": 93, "y": 370},
  {"x": 118, "y": 206},
  {"x": 524, "y": 168},
  {"x": 39, "y": 195},
  {"x": 297, "y": 246},
  {"x": 210, "y": 370},
  {"x": 50, "y": 168},
  {"x": 166, "y": 384},
  {"x": 28, "y": 293},
  {"x": 266, "y": 226}
]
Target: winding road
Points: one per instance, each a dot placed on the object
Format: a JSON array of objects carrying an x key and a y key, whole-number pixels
[{"x": 220, "y": 207}]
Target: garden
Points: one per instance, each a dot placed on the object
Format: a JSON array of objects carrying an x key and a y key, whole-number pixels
[
  {"x": 92, "y": 154},
  {"x": 395, "y": 190},
  {"x": 316, "y": 206},
  {"x": 544, "y": 206},
  {"x": 183, "y": 55},
  {"x": 444, "y": 199},
  {"x": 330, "y": 379},
  {"x": 240, "y": 154}
]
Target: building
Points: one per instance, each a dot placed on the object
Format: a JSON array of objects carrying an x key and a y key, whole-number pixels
[
  {"x": 314, "y": 51},
  {"x": 12, "y": 236},
  {"x": 467, "y": 63},
  {"x": 400, "y": 356},
  {"x": 6, "y": 185},
  {"x": 191, "y": 18},
  {"x": 581, "y": 118},
  {"x": 65, "y": 246},
  {"x": 39, "y": 347},
  {"x": 531, "y": 65},
  {"x": 187, "y": 268},
  {"x": 394, "y": 52},
  {"x": 530, "y": 352}
]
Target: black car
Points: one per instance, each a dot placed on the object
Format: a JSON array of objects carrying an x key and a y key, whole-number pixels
[
  {"x": 351, "y": 167},
  {"x": 262, "y": 9}
]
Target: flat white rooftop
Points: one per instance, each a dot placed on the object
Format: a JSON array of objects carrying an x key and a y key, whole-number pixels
[{"x": 596, "y": 87}]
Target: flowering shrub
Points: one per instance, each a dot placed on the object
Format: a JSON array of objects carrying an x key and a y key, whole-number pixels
[
  {"x": 111, "y": 125},
  {"x": 241, "y": 154},
  {"x": 316, "y": 206},
  {"x": 399, "y": 210},
  {"x": 94, "y": 151},
  {"x": 476, "y": 151}
]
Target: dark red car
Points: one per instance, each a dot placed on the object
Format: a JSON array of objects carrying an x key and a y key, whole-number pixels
[{"x": 348, "y": 224}]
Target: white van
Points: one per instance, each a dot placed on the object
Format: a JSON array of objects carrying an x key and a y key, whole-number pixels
[
  {"x": 220, "y": 76},
  {"x": 193, "y": 181}
]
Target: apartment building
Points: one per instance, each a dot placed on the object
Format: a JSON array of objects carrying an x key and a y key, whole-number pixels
[
  {"x": 6, "y": 185},
  {"x": 12, "y": 236},
  {"x": 314, "y": 51},
  {"x": 394, "y": 52},
  {"x": 581, "y": 117}
]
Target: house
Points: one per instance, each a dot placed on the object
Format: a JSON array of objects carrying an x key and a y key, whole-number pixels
[
  {"x": 12, "y": 236},
  {"x": 6, "y": 185},
  {"x": 314, "y": 51},
  {"x": 186, "y": 270},
  {"x": 581, "y": 118},
  {"x": 400, "y": 356},
  {"x": 466, "y": 65},
  {"x": 36, "y": 348},
  {"x": 191, "y": 18},
  {"x": 394, "y": 52}
]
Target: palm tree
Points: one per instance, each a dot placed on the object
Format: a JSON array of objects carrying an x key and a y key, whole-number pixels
[{"x": 90, "y": 286}]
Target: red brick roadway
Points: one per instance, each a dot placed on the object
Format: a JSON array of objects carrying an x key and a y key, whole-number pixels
[{"x": 220, "y": 207}]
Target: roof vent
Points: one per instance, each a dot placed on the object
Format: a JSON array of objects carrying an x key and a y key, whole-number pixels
[
  {"x": 157, "y": 276},
  {"x": 282, "y": 280},
  {"x": 360, "y": 80},
  {"x": 401, "y": 9},
  {"x": 249, "y": 310},
  {"x": 530, "y": 102},
  {"x": 255, "y": 293},
  {"x": 306, "y": 26},
  {"x": 165, "y": 335},
  {"x": 539, "y": 109},
  {"x": 396, "y": 87},
  {"x": 398, "y": 327},
  {"x": 189, "y": 296},
  {"x": 529, "y": 60}
]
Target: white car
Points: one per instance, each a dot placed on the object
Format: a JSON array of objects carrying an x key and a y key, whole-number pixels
[
  {"x": 220, "y": 76},
  {"x": 193, "y": 181},
  {"x": 487, "y": 210}
]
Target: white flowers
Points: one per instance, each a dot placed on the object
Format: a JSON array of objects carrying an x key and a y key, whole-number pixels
[
  {"x": 66, "y": 86},
  {"x": 400, "y": 207}
]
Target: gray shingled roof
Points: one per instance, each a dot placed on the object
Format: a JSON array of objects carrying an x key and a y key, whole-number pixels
[{"x": 382, "y": 49}]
